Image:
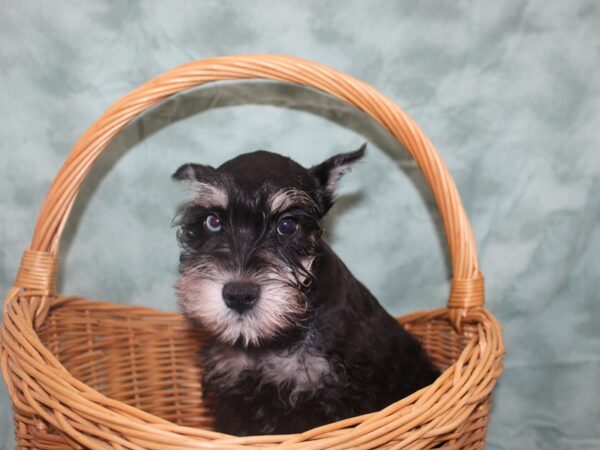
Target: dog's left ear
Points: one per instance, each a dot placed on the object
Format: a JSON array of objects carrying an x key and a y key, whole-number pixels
[{"x": 329, "y": 172}]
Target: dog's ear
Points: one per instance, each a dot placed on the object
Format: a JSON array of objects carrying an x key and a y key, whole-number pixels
[
  {"x": 207, "y": 184},
  {"x": 328, "y": 174},
  {"x": 196, "y": 172}
]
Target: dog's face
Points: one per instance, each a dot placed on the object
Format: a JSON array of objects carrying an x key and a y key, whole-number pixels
[{"x": 249, "y": 240}]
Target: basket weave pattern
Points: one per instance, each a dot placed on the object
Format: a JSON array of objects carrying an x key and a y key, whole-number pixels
[{"x": 85, "y": 374}]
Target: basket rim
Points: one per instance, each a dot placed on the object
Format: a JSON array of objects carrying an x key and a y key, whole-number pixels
[{"x": 17, "y": 311}]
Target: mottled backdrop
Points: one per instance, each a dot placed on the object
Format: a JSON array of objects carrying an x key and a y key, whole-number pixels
[{"x": 507, "y": 90}]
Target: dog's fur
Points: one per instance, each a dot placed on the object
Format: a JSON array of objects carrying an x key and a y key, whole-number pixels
[{"x": 316, "y": 346}]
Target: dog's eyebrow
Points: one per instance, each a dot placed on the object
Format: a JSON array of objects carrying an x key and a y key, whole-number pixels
[
  {"x": 286, "y": 198},
  {"x": 209, "y": 195}
]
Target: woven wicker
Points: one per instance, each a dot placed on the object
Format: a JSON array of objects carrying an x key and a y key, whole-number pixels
[{"x": 87, "y": 374}]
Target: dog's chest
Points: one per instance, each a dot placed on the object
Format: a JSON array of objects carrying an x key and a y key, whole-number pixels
[{"x": 301, "y": 369}]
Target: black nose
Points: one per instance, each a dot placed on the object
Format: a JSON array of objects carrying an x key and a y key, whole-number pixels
[{"x": 240, "y": 296}]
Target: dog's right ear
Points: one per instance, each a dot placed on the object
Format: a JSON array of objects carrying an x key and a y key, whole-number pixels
[
  {"x": 205, "y": 182},
  {"x": 195, "y": 172}
]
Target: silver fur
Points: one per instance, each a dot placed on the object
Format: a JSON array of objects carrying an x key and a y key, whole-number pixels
[
  {"x": 200, "y": 292},
  {"x": 301, "y": 367}
]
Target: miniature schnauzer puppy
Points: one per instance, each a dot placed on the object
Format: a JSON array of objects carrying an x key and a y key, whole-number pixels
[{"x": 297, "y": 341}]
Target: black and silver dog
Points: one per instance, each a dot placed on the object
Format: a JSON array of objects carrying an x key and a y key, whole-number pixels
[{"x": 297, "y": 341}]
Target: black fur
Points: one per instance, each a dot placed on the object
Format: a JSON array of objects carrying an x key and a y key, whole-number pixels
[{"x": 356, "y": 358}]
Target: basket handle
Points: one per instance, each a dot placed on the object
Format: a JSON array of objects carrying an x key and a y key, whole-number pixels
[{"x": 467, "y": 284}]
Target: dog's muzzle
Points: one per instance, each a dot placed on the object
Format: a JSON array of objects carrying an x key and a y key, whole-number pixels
[{"x": 240, "y": 296}]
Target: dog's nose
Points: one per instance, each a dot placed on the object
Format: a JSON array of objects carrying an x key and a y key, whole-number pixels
[{"x": 240, "y": 296}]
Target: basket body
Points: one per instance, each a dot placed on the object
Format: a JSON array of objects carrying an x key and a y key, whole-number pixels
[
  {"x": 146, "y": 359},
  {"x": 85, "y": 374}
]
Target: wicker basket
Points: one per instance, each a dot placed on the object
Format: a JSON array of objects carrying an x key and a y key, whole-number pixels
[{"x": 86, "y": 374}]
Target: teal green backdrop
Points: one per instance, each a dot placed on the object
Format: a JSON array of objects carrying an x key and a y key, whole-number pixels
[{"x": 508, "y": 92}]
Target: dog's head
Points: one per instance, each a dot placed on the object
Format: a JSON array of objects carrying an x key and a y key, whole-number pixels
[{"x": 249, "y": 240}]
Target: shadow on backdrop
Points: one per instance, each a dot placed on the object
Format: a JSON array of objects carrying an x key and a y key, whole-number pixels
[{"x": 240, "y": 93}]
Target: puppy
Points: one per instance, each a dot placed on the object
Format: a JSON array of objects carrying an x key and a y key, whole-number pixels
[{"x": 297, "y": 341}]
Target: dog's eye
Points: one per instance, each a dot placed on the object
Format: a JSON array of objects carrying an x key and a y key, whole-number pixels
[
  {"x": 287, "y": 226},
  {"x": 213, "y": 223}
]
